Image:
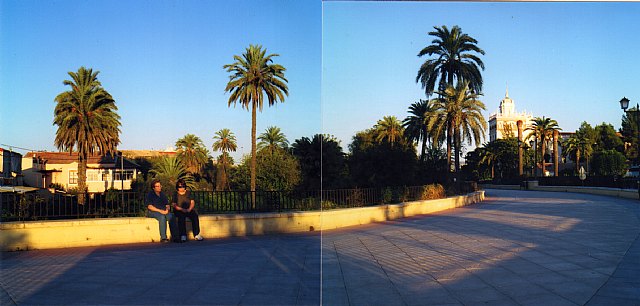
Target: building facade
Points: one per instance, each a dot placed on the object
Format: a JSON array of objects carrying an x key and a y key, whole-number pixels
[
  {"x": 45, "y": 169},
  {"x": 503, "y": 123},
  {"x": 10, "y": 168}
]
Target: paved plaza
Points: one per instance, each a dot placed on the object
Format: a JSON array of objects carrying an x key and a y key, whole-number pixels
[{"x": 516, "y": 248}]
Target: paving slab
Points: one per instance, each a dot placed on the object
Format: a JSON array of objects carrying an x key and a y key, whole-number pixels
[{"x": 516, "y": 248}]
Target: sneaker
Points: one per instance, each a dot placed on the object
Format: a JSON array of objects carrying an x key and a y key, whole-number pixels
[
  {"x": 183, "y": 239},
  {"x": 198, "y": 237},
  {"x": 164, "y": 240}
]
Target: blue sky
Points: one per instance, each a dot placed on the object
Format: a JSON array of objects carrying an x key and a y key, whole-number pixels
[
  {"x": 348, "y": 63},
  {"x": 572, "y": 62},
  {"x": 161, "y": 60}
]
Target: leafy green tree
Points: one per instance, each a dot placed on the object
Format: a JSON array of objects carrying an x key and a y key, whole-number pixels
[
  {"x": 254, "y": 75},
  {"x": 276, "y": 171},
  {"x": 455, "y": 59},
  {"x": 272, "y": 139},
  {"x": 192, "y": 152},
  {"x": 322, "y": 162},
  {"x": 630, "y": 134},
  {"x": 543, "y": 129},
  {"x": 587, "y": 136},
  {"x": 379, "y": 164},
  {"x": 87, "y": 121},
  {"x": 224, "y": 141},
  {"x": 607, "y": 138},
  {"x": 501, "y": 155},
  {"x": 169, "y": 170},
  {"x": 609, "y": 162},
  {"x": 458, "y": 112}
]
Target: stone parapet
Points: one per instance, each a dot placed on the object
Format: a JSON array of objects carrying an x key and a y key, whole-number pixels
[{"x": 30, "y": 235}]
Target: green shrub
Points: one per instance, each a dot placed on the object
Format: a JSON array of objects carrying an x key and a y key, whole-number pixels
[
  {"x": 433, "y": 191},
  {"x": 328, "y": 205},
  {"x": 387, "y": 195}
]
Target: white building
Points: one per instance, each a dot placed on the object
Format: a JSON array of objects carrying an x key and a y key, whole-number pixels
[{"x": 503, "y": 123}]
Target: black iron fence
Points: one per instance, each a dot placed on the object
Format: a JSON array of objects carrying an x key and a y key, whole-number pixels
[
  {"x": 31, "y": 206},
  {"x": 590, "y": 181}
]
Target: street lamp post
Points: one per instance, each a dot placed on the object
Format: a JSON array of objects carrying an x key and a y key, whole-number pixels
[{"x": 624, "y": 104}]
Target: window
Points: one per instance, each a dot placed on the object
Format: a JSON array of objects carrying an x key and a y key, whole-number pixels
[
  {"x": 93, "y": 175},
  {"x": 120, "y": 175},
  {"x": 73, "y": 176}
]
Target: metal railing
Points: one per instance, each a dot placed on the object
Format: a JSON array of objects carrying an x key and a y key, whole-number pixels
[{"x": 31, "y": 206}]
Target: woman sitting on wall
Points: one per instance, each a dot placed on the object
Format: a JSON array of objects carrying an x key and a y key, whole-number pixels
[{"x": 184, "y": 207}]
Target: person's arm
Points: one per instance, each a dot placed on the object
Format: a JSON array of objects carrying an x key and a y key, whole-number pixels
[
  {"x": 174, "y": 204},
  {"x": 192, "y": 205},
  {"x": 153, "y": 208}
]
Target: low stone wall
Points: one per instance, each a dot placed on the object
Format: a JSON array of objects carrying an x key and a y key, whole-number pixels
[
  {"x": 614, "y": 192},
  {"x": 16, "y": 236}
]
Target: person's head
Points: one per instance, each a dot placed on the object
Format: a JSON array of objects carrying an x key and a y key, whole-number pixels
[
  {"x": 156, "y": 185},
  {"x": 180, "y": 184}
]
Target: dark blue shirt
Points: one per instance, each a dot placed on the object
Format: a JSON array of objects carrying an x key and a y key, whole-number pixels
[{"x": 159, "y": 201}]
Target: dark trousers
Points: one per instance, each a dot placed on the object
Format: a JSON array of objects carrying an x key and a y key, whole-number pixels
[{"x": 182, "y": 224}]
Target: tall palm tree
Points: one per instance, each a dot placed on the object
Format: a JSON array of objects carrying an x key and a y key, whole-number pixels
[
  {"x": 169, "y": 170},
  {"x": 253, "y": 75},
  {"x": 224, "y": 141},
  {"x": 390, "y": 129},
  {"x": 454, "y": 61},
  {"x": 416, "y": 124},
  {"x": 543, "y": 129},
  {"x": 459, "y": 112},
  {"x": 87, "y": 121},
  {"x": 272, "y": 139},
  {"x": 192, "y": 152}
]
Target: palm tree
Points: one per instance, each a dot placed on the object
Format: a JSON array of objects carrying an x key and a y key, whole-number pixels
[
  {"x": 543, "y": 129},
  {"x": 573, "y": 147},
  {"x": 253, "y": 75},
  {"x": 192, "y": 152},
  {"x": 416, "y": 124},
  {"x": 170, "y": 169},
  {"x": 272, "y": 139},
  {"x": 87, "y": 121},
  {"x": 390, "y": 129},
  {"x": 224, "y": 141},
  {"x": 454, "y": 61},
  {"x": 459, "y": 112},
  {"x": 489, "y": 156}
]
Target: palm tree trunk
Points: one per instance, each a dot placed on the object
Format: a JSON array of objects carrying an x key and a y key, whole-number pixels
[
  {"x": 577, "y": 161},
  {"x": 253, "y": 154},
  {"x": 456, "y": 137},
  {"x": 542, "y": 150},
  {"x": 555, "y": 152},
  {"x": 424, "y": 145},
  {"x": 82, "y": 178},
  {"x": 449, "y": 145}
]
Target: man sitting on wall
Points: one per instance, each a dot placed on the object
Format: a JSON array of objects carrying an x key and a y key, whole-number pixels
[{"x": 159, "y": 208}]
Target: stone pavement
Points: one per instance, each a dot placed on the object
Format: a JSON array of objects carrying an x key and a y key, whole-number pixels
[{"x": 516, "y": 248}]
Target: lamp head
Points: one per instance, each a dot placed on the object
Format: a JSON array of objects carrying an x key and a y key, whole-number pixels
[{"x": 624, "y": 103}]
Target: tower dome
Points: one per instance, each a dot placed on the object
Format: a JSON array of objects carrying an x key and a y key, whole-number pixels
[{"x": 507, "y": 108}]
